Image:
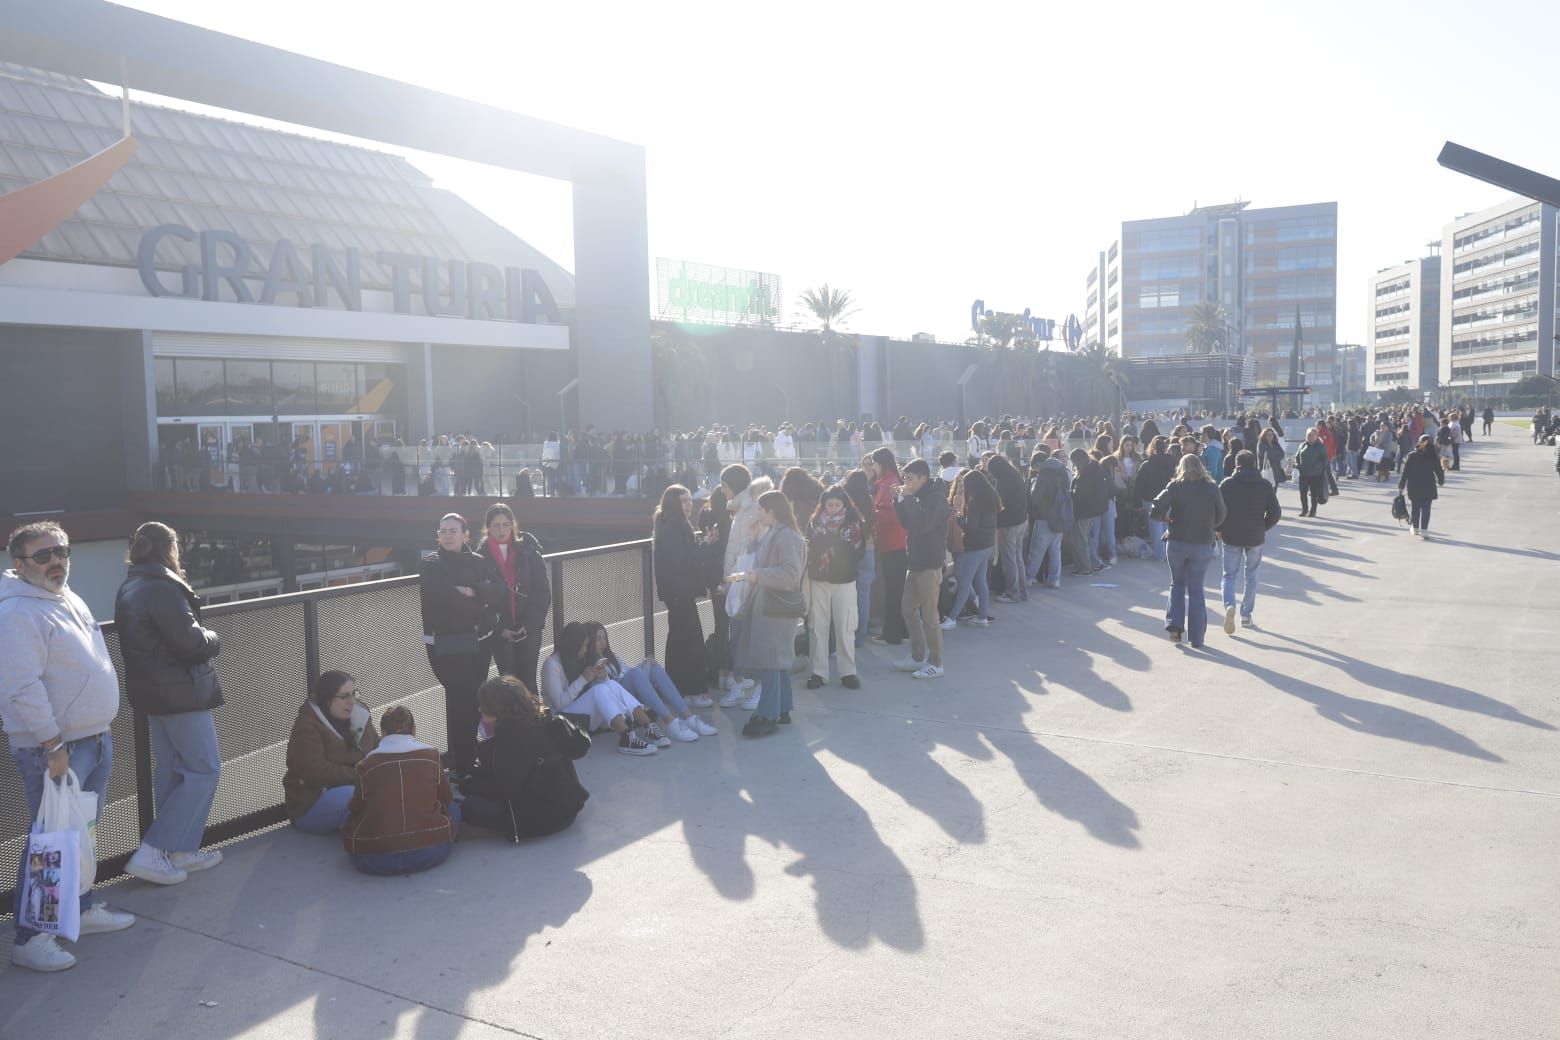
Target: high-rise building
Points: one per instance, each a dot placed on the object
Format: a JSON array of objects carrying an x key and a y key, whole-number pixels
[
  {"x": 1498, "y": 275},
  {"x": 1403, "y": 326},
  {"x": 1263, "y": 266},
  {"x": 1102, "y": 309}
]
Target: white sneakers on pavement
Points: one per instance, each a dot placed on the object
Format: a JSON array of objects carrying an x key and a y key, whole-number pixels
[
  {"x": 200, "y": 859},
  {"x": 700, "y": 700},
  {"x": 702, "y": 728},
  {"x": 734, "y": 696},
  {"x": 928, "y": 671},
  {"x": 42, "y": 953},
  {"x": 750, "y": 703},
  {"x": 153, "y": 865},
  {"x": 98, "y": 919},
  {"x": 1229, "y": 621},
  {"x": 908, "y": 664},
  {"x": 678, "y": 729}
]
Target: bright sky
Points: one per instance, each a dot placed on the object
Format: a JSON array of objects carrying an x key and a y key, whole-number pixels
[{"x": 925, "y": 155}]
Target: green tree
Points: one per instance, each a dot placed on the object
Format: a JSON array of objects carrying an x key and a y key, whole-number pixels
[
  {"x": 1207, "y": 329},
  {"x": 1102, "y": 379},
  {"x": 1006, "y": 330},
  {"x": 829, "y": 306}
]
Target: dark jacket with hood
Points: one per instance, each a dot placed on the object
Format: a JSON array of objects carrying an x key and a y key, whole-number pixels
[
  {"x": 1090, "y": 490},
  {"x": 1251, "y": 509},
  {"x": 1049, "y": 483},
  {"x": 529, "y": 770},
  {"x": 1152, "y": 476},
  {"x": 1194, "y": 509},
  {"x": 924, "y": 516},
  {"x": 1011, "y": 490},
  {"x": 1422, "y": 474},
  {"x": 527, "y": 604},
  {"x": 167, "y": 652}
]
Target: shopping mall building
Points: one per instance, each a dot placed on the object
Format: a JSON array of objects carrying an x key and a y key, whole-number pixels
[{"x": 229, "y": 286}]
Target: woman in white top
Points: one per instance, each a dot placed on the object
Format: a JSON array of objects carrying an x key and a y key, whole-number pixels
[{"x": 592, "y": 693}]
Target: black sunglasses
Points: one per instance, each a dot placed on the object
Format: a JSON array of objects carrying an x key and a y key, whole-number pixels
[{"x": 41, "y": 557}]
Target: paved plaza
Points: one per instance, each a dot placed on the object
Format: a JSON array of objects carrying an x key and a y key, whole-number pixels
[{"x": 1342, "y": 824}]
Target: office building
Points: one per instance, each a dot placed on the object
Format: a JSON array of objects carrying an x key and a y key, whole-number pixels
[
  {"x": 1102, "y": 308},
  {"x": 1498, "y": 274},
  {"x": 1403, "y": 326},
  {"x": 1261, "y": 265}
]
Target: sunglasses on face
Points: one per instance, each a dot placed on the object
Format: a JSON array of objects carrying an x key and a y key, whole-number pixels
[{"x": 59, "y": 552}]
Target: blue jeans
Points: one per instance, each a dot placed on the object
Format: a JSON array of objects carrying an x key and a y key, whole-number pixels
[
  {"x": 1156, "y": 531},
  {"x": 389, "y": 864},
  {"x": 866, "y": 570},
  {"x": 653, "y": 688},
  {"x": 328, "y": 813},
  {"x": 1088, "y": 530},
  {"x": 970, "y": 571},
  {"x": 1234, "y": 557},
  {"x": 1108, "y": 532},
  {"x": 1188, "y": 610},
  {"x": 1419, "y": 513},
  {"x": 184, "y": 779},
  {"x": 91, "y": 759},
  {"x": 774, "y": 692},
  {"x": 1045, "y": 547}
]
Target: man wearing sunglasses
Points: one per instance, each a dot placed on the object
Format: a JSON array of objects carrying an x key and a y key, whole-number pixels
[{"x": 58, "y": 697}]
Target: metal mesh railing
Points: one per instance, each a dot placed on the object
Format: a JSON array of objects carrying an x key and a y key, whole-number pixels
[{"x": 273, "y": 649}]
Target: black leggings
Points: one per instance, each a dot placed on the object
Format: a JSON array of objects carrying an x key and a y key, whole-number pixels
[{"x": 460, "y": 675}]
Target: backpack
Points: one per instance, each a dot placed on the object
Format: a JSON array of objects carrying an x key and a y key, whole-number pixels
[
  {"x": 1060, "y": 516},
  {"x": 1399, "y": 509}
]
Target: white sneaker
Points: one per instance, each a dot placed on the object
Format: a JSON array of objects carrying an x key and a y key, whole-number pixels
[
  {"x": 750, "y": 702},
  {"x": 734, "y": 696},
  {"x": 908, "y": 664},
  {"x": 1229, "y": 621},
  {"x": 746, "y": 684},
  {"x": 42, "y": 953},
  {"x": 699, "y": 700},
  {"x": 99, "y": 919},
  {"x": 152, "y": 865},
  {"x": 200, "y": 859},
  {"x": 678, "y": 729},
  {"x": 927, "y": 671},
  {"x": 727, "y": 683},
  {"x": 702, "y": 728},
  {"x": 948, "y": 624}
]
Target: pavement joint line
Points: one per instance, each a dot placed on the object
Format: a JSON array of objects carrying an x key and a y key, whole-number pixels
[
  {"x": 313, "y": 970},
  {"x": 1194, "y": 751}
]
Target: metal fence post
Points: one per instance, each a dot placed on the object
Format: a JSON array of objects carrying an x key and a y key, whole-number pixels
[
  {"x": 556, "y": 566},
  {"x": 311, "y": 642},
  {"x": 647, "y": 577}
]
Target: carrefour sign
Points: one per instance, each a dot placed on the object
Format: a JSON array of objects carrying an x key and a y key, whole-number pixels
[
  {"x": 1043, "y": 329},
  {"x": 699, "y": 292}
]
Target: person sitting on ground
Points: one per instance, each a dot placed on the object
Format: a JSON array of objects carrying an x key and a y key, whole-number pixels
[
  {"x": 525, "y": 785},
  {"x": 652, "y": 687},
  {"x": 402, "y": 818},
  {"x": 573, "y": 685},
  {"x": 332, "y": 734}
]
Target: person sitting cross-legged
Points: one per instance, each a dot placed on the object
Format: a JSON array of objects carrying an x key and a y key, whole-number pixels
[
  {"x": 525, "y": 785},
  {"x": 402, "y": 818}
]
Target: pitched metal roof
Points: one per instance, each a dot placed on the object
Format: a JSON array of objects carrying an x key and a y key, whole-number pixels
[{"x": 209, "y": 173}]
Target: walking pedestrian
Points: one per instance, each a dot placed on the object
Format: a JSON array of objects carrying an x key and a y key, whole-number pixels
[
  {"x": 170, "y": 678},
  {"x": 58, "y": 697},
  {"x": 1251, "y": 510},
  {"x": 1311, "y": 469},
  {"x": 1422, "y": 475},
  {"x": 1193, "y": 508}
]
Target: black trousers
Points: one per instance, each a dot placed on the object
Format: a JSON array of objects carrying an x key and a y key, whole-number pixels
[
  {"x": 518, "y": 659},
  {"x": 491, "y": 814},
  {"x": 891, "y": 569},
  {"x": 460, "y": 675},
  {"x": 685, "y": 659},
  {"x": 1317, "y": 487}
]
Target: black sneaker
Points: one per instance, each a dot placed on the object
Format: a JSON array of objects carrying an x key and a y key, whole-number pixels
[
  {"x": 631, "y": 743},
  {"x": 758, "y": 726},
  {"x": 816, "y": 681},
  {"x": 785, "y": 718},
  {"x": 850, "y": 682}
]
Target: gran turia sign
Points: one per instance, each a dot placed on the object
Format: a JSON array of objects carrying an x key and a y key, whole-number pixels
[{"x": 476, "y": 290}]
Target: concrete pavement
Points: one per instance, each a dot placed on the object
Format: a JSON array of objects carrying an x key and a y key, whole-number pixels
[{"x": 1341, "y": 824}]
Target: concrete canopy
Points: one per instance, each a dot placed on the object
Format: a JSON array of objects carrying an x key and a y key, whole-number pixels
[{"x": 109, "y": 43}]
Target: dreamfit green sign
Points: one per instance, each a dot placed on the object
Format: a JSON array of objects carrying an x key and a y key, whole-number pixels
[{"x": 699, "y": 292}]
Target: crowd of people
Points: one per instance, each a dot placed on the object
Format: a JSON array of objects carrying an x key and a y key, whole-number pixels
[{"x": 802, "y": 567}]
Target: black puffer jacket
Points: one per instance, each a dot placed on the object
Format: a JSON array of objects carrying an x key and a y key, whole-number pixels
[
  {"x": 1014, "y": 496},
  {"x": 1251, "y": 509},
  {"x": 1194, "y": 508},
  {"x": 167, "y": 651},
  {"x": 530, "y": 770},
  {"x": 1091, "y": 490},
  {"x": 1152, "y": 476}
]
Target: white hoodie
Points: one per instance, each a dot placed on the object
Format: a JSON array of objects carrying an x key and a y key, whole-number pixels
[{"x": 56, "y": 678}]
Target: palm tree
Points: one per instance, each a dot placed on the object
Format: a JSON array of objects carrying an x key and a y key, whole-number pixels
[
  {"x": 829, "y": 306},
  {"x": 1005, "y": 330},
  {"x": 1103, "y": 378},
  {"x": 1207, "y": 330}
]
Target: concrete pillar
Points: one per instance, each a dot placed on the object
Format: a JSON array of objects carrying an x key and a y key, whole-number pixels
[
  {"x": 612, "y": 298},
  {"x": 138, "y": 410}
]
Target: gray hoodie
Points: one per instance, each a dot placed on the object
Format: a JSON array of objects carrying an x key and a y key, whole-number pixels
[{"x": 57, "y": 679}]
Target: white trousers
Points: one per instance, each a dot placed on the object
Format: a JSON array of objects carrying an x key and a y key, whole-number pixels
[
  {"x": 603, "y": 702},
  {"x": 832, "y": 604}
]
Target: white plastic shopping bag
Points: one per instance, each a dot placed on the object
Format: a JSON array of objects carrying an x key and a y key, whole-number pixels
[
  {"x": 66, "y": 807},
  {"x": 736, "y": 595},
  {"x": 52, "y": 875}
]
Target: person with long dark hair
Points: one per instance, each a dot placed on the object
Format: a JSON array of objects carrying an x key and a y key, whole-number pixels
[
  {"x": 527, "y": 593},
  {"x": 649, "y": 684},
  {"x": 715, "y": 526},
  {"x": 1422, "y": 474},
  {"x": 461, "y": 594},
  {"x": 170, "y": 678},
  {"x": 975, "y": 503},
  {"x": 525, "y": 785},
  {"x": 889, "y": 538},
  {"x": 679, "y": 582},
  {"x": 573, "y": 685},
  {"x": 767, "y": 638},
  {"x": 835, "y": 540},
  {"x": 859, "y": 488},
  {"x": 332, "y": 734}
]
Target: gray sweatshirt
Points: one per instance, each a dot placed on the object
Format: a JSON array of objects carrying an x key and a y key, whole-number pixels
[{"x": 57, "y": 679}]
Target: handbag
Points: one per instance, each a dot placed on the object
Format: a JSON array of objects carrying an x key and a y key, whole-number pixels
[
  {"x": 1374, "y": 455},
  {"x": 1399, "y": 508},
  {"x": 448, "y": 644},
  {"x": 784, "y": 603}
]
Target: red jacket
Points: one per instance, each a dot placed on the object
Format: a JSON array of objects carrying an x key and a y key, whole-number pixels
[{"x": 889, "y": 535}]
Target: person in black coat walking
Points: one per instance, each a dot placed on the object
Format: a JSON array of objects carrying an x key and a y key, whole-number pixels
[
  {"x": 170, "y": 678},
  {"x": 461, "y": 594},
  {"x": 1251, "y": 511},
  {"x": 527, "y": 595},
  {"x": 524, "y": 785},
  {"x": 1422, "y": 474}
]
